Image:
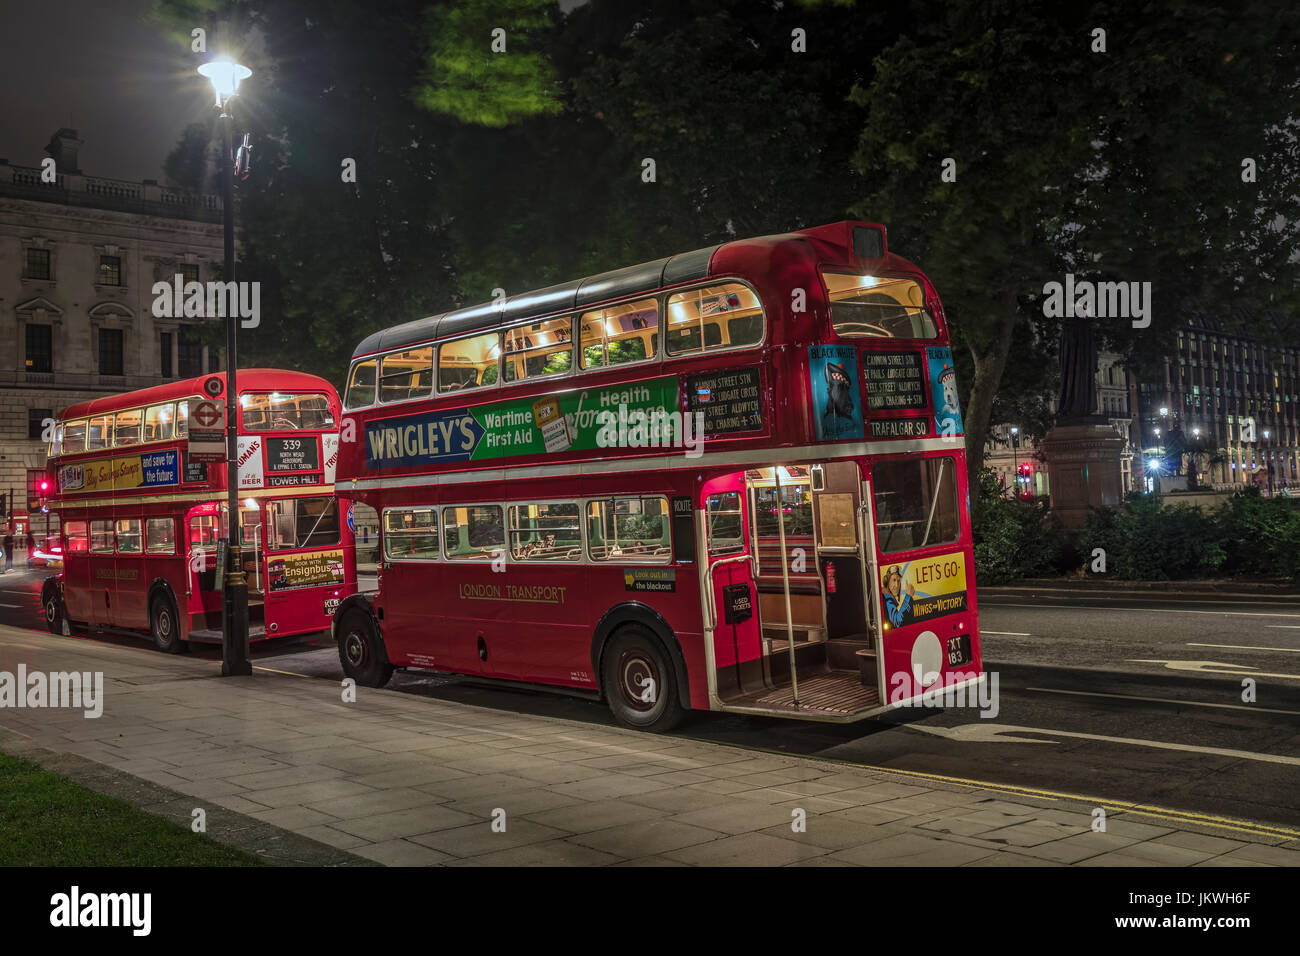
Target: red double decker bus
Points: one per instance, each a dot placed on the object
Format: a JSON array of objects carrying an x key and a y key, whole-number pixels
[
  {"x": 142, "y": 523},
  {"x": 728, "y": 480}
]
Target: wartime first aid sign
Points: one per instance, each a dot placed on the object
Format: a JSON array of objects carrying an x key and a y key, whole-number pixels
[{"x": 207, "y": 439}]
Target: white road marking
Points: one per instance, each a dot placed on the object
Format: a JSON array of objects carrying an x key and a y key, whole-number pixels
[
  {"x": 1250, "y": 647},
  {"x": 1214, "y": 667},
  {"x": 1149, "y": 610},
  {"x": 1166, "y": 700},
  {"x": 1006, "y": 633},
  {"x": 10, "y": 605},
  {"x": 982, "y": 732},
  {"x": 1181, "y": 596},
  {"x": 1289, "y": 627}
]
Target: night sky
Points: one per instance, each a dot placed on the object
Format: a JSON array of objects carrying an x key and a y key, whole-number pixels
[{"x": 98, "y": 68}]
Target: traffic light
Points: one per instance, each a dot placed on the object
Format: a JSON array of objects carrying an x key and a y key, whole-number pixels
[{"x": 1026, "y": 479}]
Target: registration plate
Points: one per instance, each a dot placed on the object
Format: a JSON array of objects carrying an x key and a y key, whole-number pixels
[
  {"x": 331, "y": 605},
  {"x": 959, "y": 650}
]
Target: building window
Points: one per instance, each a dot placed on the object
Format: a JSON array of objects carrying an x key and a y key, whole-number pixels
[
  {"x": 40, "y": 348},
  {"x": 38, "y": 263},
  {"x": 110, "y": 351},
  {"x": 189, "y": 354},
  {"x": 36, "y": 422},
  {"x": 189, "y": 272},
  {"x": 166, "y": 357},
  {"x": 110, "y": 270}
]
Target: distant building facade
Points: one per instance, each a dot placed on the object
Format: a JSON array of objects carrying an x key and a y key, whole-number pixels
[
  {"x": 78, "y": 259},
  {"x": 1232, "y": 400}
]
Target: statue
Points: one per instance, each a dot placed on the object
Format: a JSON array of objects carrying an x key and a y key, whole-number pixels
[{"x": 1077, "y": 400}]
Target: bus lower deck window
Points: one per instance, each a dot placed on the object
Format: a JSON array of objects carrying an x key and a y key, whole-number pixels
[
  {"x": 473, "y": 532},
  {"x": 633, "y": 530},
  {"x": 545, "y": 532},
  {"x": 411, "y": 533}
]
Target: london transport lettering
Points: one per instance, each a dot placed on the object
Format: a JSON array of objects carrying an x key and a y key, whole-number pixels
[
  {"x": 532, "y": 593},
  {"x": 504, "y": 429}
]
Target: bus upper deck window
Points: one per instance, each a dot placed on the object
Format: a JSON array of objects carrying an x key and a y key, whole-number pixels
[
  {"x": 285, "y": 411},
  {"x": 361, "y": 384},
  {"x": 406, "y": 375},
  {"x": 56, "y": 443},
  {"x": 127, "y": 429},
  {"x": 715, "y": 317},
  {"x": 74, "y": 436},
  {"x": 619, "y": 334},
  {"x": 100, "y": 432},
  {"x": 468, "y": 363},
  {"x": 540, "y": 348},
  {"x": 879, "y": 306},
  {"x": 158, "y": 422},
  {"x": 182, "y": 427}
]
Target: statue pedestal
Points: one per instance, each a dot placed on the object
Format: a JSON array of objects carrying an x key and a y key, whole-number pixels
[{"x": 1083, "y": 466}]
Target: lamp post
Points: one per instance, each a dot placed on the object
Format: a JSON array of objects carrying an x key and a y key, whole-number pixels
[
  {"x": 225, "y": 76},
  {"x": 1015, "y": 446}
]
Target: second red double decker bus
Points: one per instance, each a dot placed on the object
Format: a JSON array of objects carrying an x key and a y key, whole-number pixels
[
  {"x": 729, "y": 480},
  {"x": 142, "y": 522}
]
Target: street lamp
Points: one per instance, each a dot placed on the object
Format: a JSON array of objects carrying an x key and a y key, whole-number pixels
[
  {"x": 225, "y": 75},
  {"x": 1015, "y": 445}
]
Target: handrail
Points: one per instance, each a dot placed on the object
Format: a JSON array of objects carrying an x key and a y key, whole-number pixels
[{"x": 713, "y": 611}]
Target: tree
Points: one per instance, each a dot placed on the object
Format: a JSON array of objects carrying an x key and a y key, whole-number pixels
[{"x": 1070, "y": 159}]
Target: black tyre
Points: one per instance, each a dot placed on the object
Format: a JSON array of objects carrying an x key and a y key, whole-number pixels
[
  {"x": 361, "y": 651},
  {"x": 638, "y": 680},
  {"x": 52, "y": 605},
  {"x": 165, "y": 624}
]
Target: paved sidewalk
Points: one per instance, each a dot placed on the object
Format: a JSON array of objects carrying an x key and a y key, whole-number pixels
[{"x": 407, "y": 780}]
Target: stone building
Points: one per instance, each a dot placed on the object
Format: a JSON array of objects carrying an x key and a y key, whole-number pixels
[{"x": 78, "y": 258}]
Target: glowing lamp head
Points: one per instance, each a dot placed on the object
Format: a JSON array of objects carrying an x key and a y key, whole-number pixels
[{"x": 225, "y": 76}]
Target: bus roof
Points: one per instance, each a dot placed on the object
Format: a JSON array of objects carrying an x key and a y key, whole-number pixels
[
  {"x": 248, "y": 380},
  {"x": 849, "y": 239}
]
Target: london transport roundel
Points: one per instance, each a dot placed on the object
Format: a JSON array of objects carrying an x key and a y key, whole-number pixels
[{"x": 213, "y": 386}]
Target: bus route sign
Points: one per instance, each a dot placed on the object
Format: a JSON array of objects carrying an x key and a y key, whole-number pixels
[{"x": 207, "y": 434}]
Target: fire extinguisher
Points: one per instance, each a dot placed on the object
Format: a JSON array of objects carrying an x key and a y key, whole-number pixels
[{"x": 830, "y": 577}]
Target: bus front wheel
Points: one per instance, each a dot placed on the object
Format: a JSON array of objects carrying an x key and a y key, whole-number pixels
[
  {"x": 638, "y": 680},
  {"x": 361, "y": 652},
  {"x": 164, "y": 624}
]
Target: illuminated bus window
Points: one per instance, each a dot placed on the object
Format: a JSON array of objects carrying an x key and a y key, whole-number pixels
[
  {"x": 411, "y": 533},
  {"x": 76, "y": 538},
  {"x": 74, "y": 436},
  {"x": 547, "y": 532},
  {"x": 129, "y": 538},
  {"x": 101, "y": 536},
  {"x": 205, "y": 532},
  {"x": 878, "y": 306},
  {"x": 726, "y": 529},
  {"x": 619, "y": 334},
  {"x": 916, "y": 503},
  {"x": 126, "y": 431},
  {"x": 631, "y": 530},
  {"x": 301, "y": 523},
  {"x": 715, "y": 317},
  {"x": 56, "y": 443},
  {"x": 468, "y": 363},
  {"x": 285, "y": 411},
  {"x": 473, "y": 532},
  {"x": 543, "y": 348},
  {"x": 361, "y": 386},
  {"x": 100, "y": 432},
  {"x": 160, "y": 536},
  {"x": 158, "y": 420},
  {"x": 406, "y": 375},
  {"x": 182, "y": 427}
]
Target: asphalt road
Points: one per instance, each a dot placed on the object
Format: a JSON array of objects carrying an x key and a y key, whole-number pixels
[{"x": 1123, "y": 696}]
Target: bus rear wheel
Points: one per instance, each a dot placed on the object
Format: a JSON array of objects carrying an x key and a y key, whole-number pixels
[
  {"x": 52, "y": 604},
  {"x": 164, "y": 624},
  {"x": 361, "y": 652},
  {"x": 638, "y": 680}
]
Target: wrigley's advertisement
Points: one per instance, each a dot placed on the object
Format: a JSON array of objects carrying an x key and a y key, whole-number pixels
[{"x": 570, "y": 421}]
